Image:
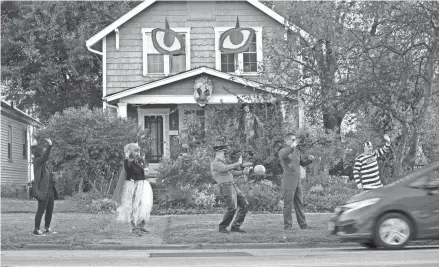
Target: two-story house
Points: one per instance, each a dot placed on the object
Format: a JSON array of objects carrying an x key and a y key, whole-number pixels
[{"x": 159, "y": 90}]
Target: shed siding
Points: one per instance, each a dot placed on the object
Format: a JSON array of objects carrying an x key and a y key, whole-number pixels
[{"x": 14, "y": 171}]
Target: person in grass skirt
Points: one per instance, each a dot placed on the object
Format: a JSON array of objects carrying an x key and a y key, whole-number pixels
[{"x": 133, "y": 191}]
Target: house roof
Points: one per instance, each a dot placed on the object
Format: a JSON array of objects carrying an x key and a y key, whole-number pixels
[
  {"x": 191, "y": 73},
  {"x": 133, "y": 12},
  {"x": 20, "y": 114}
]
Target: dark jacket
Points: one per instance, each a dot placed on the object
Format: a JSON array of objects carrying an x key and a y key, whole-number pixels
[
  {"x": 135, "y": 169},
  {"x": 42, "y": 175},
  {"x": 290, "y": 160}
]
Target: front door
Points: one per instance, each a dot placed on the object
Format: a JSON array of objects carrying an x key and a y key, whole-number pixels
[{"x": 154, "y": 124}]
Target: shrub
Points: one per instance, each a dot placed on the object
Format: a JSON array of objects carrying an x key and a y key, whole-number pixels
[
  {"x": 10, "y": 191},
  {"x": 88, "y": 147},
  {"x": 322, "y": 193},
  {"x": 262, "y": 196},
  {"x": 189, "y": 169},
  {"x": 92, "y": 203},
  {"x": 176, "y": 197}
]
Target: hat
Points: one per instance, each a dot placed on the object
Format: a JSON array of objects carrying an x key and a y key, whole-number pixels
[
  {"x": 132, "y": 147},
  {"x": 368, "y": 143},
  {"x": 219, "y": 148}
]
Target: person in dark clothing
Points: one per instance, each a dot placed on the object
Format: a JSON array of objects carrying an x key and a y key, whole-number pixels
[
  {"x": 291, "y": 160},
  {"x": 44, "y": 180}
]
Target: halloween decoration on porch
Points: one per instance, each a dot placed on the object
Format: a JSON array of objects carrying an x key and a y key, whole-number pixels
[
  {"x": 167, "y": 41},
  {"x": 133, "y": 192},
  {"x": 249, "y": 123},
  {"x": 203, "y": 90},
  {"x": 236, "y": 40}
]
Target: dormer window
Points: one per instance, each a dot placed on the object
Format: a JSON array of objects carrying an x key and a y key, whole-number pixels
[
  {"x": 247, "y": 62},
  {"x": 155, "y": 63}
]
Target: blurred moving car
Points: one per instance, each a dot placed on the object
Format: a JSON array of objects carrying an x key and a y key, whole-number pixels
[{"x": 391, "y": 216}]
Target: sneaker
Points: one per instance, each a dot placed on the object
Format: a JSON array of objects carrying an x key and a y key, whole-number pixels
[
  {"x": 143, "y": 230},
  {"x": 48, "y": 231},
  {"x": 38, "y": 233},
  {"x": 237, "y": 230},
  {"x": 224, "y": 231},
  {"x": 137, "y": 232}
]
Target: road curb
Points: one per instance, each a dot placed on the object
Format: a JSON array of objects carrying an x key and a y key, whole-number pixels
[
  {"x": 272, "y": 245},
  {"x": 135, "y": 247},
  {"x": 182, "y": 246}
]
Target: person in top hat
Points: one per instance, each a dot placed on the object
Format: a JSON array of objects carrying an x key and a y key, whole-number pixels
[
  {"x": 366, "y": 171},
  {"x": 233, "y": 198}
]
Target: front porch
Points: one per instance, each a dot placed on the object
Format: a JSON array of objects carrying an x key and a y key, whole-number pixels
[{"x": 165, "y": 106}]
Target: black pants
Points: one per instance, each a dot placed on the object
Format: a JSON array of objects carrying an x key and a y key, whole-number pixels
[
  {"x": 46, "y": 205},
  {"x": 231, "y": 210},
  {"x": 294, "y": 197}
]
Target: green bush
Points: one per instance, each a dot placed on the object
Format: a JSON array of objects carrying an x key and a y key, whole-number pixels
[
  {"x": 88, "y": 147},
  {"x": 324, "y": 193},
  {"x": 262, "y": 196},
  {"x": 10, "y": 191},
  {"x": 188, "y": 169},
  {"x": 92, "y": 203}
]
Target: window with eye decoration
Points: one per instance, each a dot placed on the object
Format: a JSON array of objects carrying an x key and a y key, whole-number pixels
[
  {"x": 178, "y": 62},
  {"x": 240, "y": 63},
  {"x": 155, "y": 60},
  {"x": 157, "y": 63},
  {"x": 250, "y": 62}
]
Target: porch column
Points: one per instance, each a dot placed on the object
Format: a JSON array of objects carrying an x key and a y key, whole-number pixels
[{"x": 122, "y": 110}]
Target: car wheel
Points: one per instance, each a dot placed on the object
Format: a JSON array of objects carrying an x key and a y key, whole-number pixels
[
  {"x": 393, "y": 231},
  {"x": 369, "y": 244}
]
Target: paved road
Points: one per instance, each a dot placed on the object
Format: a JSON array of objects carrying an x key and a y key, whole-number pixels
[{"x": 420, "y": 256}]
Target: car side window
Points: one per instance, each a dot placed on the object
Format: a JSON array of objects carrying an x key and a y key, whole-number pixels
[
  {"x": 419, "y": 183},
  {"x": 433, "y": 180}
]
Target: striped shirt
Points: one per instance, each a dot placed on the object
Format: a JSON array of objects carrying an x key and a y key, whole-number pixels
[{"x": 366, "y": 172}]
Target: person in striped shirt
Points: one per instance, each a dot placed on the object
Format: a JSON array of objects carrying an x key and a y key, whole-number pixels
[{"x": 366, "y": 172}]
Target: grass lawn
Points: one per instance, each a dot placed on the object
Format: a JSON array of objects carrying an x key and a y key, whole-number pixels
[
  {"x": 261, "y": 228},
  {"x": 77, "y": 229},
  {"x": 22, "y": 205}
]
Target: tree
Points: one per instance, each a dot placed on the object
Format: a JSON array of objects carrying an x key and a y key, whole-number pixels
[
  {"x": 88, "y": 145},
  {"x": 43, "y": 55},
  {"x": 397, "y": 50},
  {"x": 377, "y": 58},
  {"x": 312, "y": 62}
]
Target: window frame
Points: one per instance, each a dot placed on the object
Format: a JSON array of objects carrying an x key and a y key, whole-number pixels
[
  {"x": 25, "y": 143},
  {"x": 10, "y": 141},
  {"x": 240, "y": 69},
  {"x": 166, "y": 58}
]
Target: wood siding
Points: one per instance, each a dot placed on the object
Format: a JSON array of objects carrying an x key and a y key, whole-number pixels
[
  {"x": 124, "y": 66},
  {"x": 186, "y": 87},
  {"x": 15, "y": 170}
]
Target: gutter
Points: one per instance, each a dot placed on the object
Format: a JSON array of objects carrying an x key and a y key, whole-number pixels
[{"x": 94, "y": 51}]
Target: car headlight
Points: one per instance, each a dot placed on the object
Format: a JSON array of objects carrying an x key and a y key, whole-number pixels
[{"x": 358, "y": 205}]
